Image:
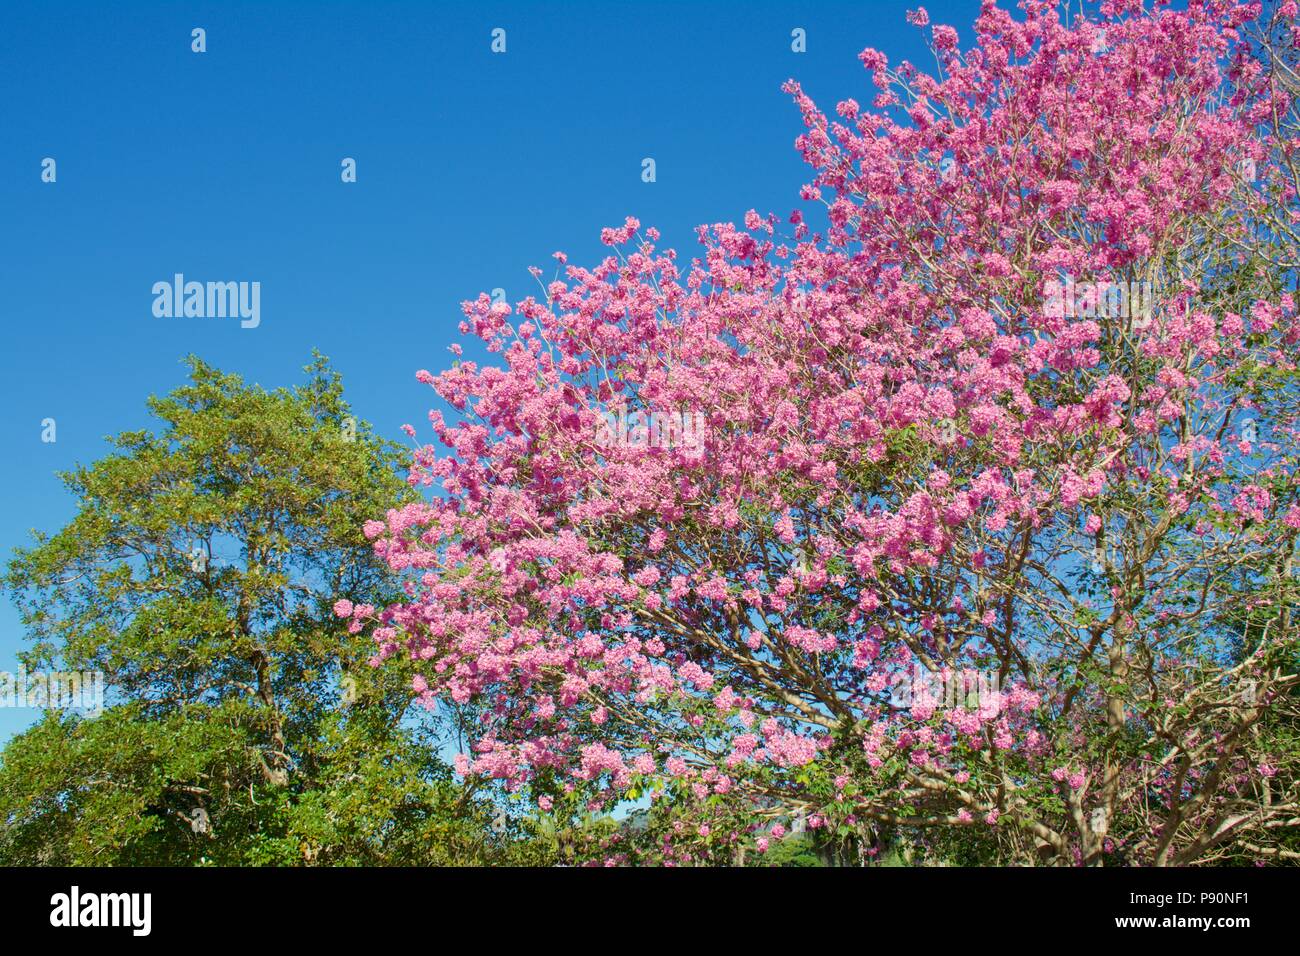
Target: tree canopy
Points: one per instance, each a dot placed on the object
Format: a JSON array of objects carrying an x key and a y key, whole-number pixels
[
  {"x": 962, "y": 508},
  {"x": 241, "y": 724}
]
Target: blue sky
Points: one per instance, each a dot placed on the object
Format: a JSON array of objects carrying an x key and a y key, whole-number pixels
[{"x": 471, "y": 166}]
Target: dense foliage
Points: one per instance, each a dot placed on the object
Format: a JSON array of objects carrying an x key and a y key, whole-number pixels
[
  {"x": 952, "y": 520},
  {"x": 241, "y": 724},
  {"x": 1015, "y": 411}
]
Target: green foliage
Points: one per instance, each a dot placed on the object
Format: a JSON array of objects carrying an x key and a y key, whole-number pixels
[
  {"x": 199, "y": 575},
  {"x": 793, "y": 850}
]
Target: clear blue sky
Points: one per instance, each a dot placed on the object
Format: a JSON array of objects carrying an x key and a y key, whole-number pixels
[{"x": 471, "y": 167}]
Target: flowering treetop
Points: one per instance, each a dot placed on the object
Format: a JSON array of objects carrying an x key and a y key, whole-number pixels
[{"x": 1017, "y": 403}]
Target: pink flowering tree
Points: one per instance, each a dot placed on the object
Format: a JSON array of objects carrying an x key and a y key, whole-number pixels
[{"x": 959, "y": 509}]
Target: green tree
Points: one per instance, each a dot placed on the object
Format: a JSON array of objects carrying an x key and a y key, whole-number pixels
[{"x": 242, "y": 725}]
